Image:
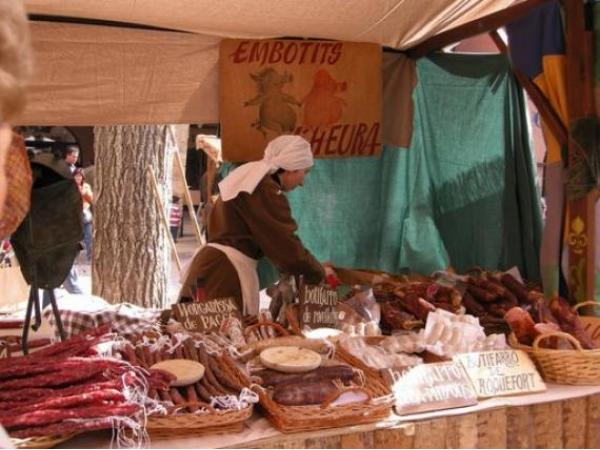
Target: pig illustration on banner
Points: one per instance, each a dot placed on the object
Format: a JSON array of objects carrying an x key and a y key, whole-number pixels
[
  {"x": 274, "y": 110},
  {"x": 321, "y": 105},
  {"x": 328, "y": 92}
]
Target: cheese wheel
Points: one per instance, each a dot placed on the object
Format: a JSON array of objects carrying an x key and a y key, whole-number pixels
[
  {"x": 186, "y": 371},
  {"x": 290, "y": 359}
]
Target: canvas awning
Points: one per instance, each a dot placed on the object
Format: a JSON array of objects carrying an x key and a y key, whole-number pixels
[{"x": 96, "y": 74}]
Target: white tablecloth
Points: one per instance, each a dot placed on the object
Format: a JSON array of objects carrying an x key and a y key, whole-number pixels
[{"x": 258, "y": 428}]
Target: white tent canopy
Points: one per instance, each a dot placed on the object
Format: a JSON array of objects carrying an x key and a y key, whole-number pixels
[
  {"x": 393, "y": 23},
  {"x": 96, "y": 74}
]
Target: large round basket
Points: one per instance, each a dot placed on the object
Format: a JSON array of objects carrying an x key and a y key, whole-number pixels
[
  {"x": 577, "y": 367},
  {"x": 574, "y": 366}
]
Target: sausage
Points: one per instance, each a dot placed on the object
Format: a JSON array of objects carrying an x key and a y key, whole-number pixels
[
  {"x": 494, "y": 284},
  {"x": 219, "y": 375},
  {"x": 128, "y": 353},
  {"x": 163, "y": 393},
  {"x": 304, "y": 393},
  {"x": 202, "y": 392},
  {"x": 472, "y": 305},
  {"x": 140, "y": 357},
  {"x": 189, "y": 390},
  {"x": 190, "y": 350},
  {"x": 149, "y": 356},
  {"x": 228, "y": 380},
  {"x": 513, "y": 285},
  {"x": 496, "y": 309},
  {"x": 480, "y": 294},
  {"x": 274, "y": 378},
  {"x": 209, "y": 376}
]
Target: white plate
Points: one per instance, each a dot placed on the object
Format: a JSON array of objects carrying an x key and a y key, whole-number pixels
[{"x": 333, "y": 334}]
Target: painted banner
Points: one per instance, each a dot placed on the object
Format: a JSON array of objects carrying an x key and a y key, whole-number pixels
[{"x": 328, "y": 92}]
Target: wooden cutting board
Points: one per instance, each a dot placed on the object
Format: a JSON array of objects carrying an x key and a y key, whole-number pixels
[
  {"x": 186, "y": 371},
  {"x": 290, "y": 359}
]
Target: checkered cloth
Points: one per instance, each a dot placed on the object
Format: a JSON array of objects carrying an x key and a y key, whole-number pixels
[{"x": 125, "y": 319}]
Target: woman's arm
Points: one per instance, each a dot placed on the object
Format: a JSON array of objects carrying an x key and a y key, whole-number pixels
[
  {"x": 86, "y": 194},
  {"x": 268, "y": 215}
]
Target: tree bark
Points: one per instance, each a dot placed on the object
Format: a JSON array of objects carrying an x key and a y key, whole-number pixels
[{"x": 131, "y": 250}]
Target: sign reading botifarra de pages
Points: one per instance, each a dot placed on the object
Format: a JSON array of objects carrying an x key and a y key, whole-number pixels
[
  {"x": 328, "y": 92},
  {"x": 501, "y": 372}
]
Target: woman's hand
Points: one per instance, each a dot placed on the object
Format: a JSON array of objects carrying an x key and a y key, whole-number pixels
[{"x": 331, "y": 277}]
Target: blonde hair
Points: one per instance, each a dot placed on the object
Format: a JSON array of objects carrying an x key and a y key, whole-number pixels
[{"x": 15, "y": 58}]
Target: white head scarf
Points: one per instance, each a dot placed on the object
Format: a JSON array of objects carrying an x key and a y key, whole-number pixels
[{"x": 286, "y": 152}]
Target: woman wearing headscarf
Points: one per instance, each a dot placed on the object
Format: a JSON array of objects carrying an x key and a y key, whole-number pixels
[{"x": 250, "y": 219}]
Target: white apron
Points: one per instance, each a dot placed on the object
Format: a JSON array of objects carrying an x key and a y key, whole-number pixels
[{"x": 248, "y": 275}]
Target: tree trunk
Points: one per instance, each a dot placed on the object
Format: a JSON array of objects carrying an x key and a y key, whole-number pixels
[{"x": 131, "y": 249}]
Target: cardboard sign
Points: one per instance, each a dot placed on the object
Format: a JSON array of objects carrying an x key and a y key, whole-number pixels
[
  {"x": 328, "y": 92},
  {"x": 501, "y": 372},
  {"x": 206, "y": 316},
  {"x": 318, "y": 306},
  {"x": 431, "y": 387}
]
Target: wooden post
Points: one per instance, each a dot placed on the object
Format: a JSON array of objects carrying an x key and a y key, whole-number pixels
[
  {"x": 580, "y": 227},
  {"x": 163, "y": 215},
  {"x": 188, "y": 200}
]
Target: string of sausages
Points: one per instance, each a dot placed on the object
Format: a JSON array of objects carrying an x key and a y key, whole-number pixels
[
  {"x": 221, "y": 378},
  {"x": 67, "y": 387}
]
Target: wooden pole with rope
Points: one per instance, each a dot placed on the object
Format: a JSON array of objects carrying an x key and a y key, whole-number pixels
[
  {"x": 152, "y": 177},
  {"x": 188, "y": 200}
]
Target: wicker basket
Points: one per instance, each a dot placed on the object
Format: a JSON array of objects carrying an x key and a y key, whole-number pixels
[
  {"x": 165, "y": 427},
  {"x": 575, "y": 367},
  {"x": 215, "y": 421},
  {"x": 371, "y": 372},
  {"x": 292, "y": 419},
  {"x": 254, "y": 330},
  {"x": 514, "y": 343},
  {"x": 41, "y": 441}
]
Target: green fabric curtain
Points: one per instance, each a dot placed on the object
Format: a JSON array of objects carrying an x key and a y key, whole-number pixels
[{"x": 463, "y": 194}]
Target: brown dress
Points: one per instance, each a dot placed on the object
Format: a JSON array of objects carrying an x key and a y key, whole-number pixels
[{"x": 258, "y": 224}]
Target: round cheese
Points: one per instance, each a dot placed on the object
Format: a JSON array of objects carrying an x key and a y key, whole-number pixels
[
  {"x": 185, "y": 371},
  {"x": 290, "y": 359}
]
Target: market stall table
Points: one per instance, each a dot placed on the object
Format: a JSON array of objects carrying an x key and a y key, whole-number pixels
[{"x": 561, "y": 417}]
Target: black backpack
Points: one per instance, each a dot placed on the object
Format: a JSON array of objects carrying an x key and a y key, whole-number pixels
[{"x": 49, "y": 238}]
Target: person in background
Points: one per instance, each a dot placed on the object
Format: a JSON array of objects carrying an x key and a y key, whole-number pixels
[
  {"x": 175, "y": 217},
  {"x": 71, "y": 156},
  {"x": 87, "y": 198},
  {"x": 252, "y": 218}
]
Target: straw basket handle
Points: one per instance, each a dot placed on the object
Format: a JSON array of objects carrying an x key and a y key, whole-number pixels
[
  {"x": 279, "y": 330},
  {"x": 588, "y": 303},
  {"x": 560, "y": 334},
  {"x": 333, "y": 397}
]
